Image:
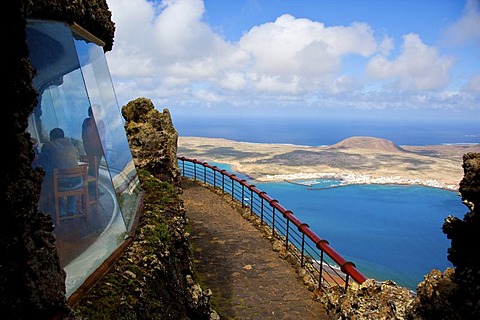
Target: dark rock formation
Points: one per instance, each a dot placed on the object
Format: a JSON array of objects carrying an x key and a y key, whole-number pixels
[
  {"x": 31, "y": 279},
  {"x": 93, "y": 15},
  {"x": 153, "y": 140},
  {"x": 370, "y": 300},
  {"x": 436, "y": 296}
]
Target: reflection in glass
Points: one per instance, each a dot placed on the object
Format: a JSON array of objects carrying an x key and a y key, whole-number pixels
[
  {"x": 76, "y": 95},
  {"x": 106, "y": 111}
]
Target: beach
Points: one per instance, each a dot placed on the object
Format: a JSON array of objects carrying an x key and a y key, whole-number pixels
[{"x": 357, "y": 160}]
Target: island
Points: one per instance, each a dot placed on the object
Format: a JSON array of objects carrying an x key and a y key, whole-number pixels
[{"x": 356, "y": 160}]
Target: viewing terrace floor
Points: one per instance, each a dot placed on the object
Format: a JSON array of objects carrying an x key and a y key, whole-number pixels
[{"x": 236, "y": 261}]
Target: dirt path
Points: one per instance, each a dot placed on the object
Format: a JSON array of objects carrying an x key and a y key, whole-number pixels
[{"x": 235, "y": 261}]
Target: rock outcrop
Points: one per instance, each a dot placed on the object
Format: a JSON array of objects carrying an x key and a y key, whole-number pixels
[
  {"x": 153, "y": 139},
  {"x": 370, "y": 300}
]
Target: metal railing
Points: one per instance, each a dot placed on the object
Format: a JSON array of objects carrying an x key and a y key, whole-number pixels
[{"x": 314, "y": 254}]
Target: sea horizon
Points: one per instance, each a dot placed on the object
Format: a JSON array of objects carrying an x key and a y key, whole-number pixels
[{"x": 323, "y": 132}]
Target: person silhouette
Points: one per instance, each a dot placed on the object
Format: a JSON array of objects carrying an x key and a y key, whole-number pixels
[
  {"x": 60, "y": 152},
  {"x": 93, "y": 133}
]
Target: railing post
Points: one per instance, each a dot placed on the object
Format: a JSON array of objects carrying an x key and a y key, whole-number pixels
[
  {"x": 347, "y": 277},
  {"x": 301, "y": 229},
  {"x": 223, "y": 182},
  {"x": 320, "y": 270},
  {"x": 214, "y": 179},
  {"x": 302, "y": 260},
  {"x": 204, "y": 174},
  {"x": 233, "y": 189},
  {"x": 251, "y": 202},
  {"x": 273, "y": 221},
  {"x": 194, "y": 171},
  {"x": 261, "y": 212},
  {"x": 287, "y": 233},
  {"x": 243, "y": 194}
]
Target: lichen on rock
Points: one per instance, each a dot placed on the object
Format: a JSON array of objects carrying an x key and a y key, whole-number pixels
[{"x": 153, "y": 139}]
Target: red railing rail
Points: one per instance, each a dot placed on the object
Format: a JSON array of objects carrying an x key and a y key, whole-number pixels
[{"x": 313, "y": 253}]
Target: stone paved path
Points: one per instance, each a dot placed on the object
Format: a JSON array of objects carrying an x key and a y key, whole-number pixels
[{"x": 233, "y": 259}]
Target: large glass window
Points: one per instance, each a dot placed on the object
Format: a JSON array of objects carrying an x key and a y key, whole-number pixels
[{"x": 78, "y": 124}]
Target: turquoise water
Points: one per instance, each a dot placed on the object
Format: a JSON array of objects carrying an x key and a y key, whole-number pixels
[
  {"x": 390, "y": 232},
  {"x": 317, "y": 131}
]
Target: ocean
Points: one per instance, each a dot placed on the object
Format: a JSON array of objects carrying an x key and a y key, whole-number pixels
[
  {"x": 390, "y": 232},
  {"x": 317, "y": 131}
]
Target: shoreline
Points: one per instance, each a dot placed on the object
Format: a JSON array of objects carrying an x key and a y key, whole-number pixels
[
  {"x": 356, "y": 160},
  {"x": 356, "y": 179}
]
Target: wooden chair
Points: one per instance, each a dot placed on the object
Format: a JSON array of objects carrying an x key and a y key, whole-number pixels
[
  {"x": 80, "y": 190},
  {"x": 91, "y": 161}
]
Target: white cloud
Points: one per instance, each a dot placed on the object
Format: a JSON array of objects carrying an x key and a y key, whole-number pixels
[
  {"x": 167, "y": 52},
  {"x": 207, "y": 96},
  {"x": 168, "y": 40},
  {"x": 467, "y": 29},
  {"x": 301, "y": 47},
  {"x": 473, "y": 85},
  {"x": 344, "y": 84},
  {"x": 276, "y": 84},
  {"x": 386, "y": 46},
  {"x": 418, "y": 67},
  {"x": 233, "y": 81}
]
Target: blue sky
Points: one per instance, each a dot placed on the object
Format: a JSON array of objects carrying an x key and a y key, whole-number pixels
[{"x": 405, "y": 59}]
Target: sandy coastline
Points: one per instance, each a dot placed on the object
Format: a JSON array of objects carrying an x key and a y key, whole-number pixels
[{"x": 359, "y": 160}]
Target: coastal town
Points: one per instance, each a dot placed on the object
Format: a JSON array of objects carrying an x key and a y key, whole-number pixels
[{"x": 348, "y": 178}]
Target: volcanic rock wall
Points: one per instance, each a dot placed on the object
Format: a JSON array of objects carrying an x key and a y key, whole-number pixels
[
  {"x": 31, "y": 279},
  {"x": 153, "y": 140}
]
